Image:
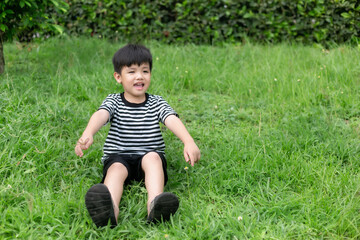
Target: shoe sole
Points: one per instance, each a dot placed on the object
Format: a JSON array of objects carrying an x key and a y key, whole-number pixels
[
  {"x": 100, "y": 206},
  {"x": 165, "y": 205}
]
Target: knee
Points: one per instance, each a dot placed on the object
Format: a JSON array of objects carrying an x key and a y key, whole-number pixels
[
  {"x": 117, "y": 168},
  {"x": 151, "y": 159}
]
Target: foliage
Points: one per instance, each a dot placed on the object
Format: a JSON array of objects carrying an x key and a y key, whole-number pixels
[
  {"x": 24, "y": 17},
  {"x": 27, "y": 19},
  {"x": 203, "y": 21}
]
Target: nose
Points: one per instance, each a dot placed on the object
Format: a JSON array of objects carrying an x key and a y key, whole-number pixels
[{"x": 139, "y": 75}]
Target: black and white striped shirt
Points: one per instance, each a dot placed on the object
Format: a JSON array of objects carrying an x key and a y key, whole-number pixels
[{"x": 134, "y": 127}]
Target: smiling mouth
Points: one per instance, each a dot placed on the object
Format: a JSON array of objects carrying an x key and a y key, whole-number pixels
[{"x": 139, "y": 85}]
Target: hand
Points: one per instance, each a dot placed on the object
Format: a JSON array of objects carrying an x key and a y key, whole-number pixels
[
  {"x": 83, "y": 144},
  {"x": 191, "y": 153}
]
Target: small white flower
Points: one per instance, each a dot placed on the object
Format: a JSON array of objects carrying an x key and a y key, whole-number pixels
[
  {"x": 275, "y": 79},
  {"x": 186, "y": 168},
  {"x": 240, "y": 218}
]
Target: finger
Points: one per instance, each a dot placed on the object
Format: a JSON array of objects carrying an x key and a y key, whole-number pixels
[
  {"x": 186, "y": 156},
  {"x": 83, "y": 147},
  {"x": 193, "y": 159},
  {"x": 81, "y": 141},
  {"x": 189, "y": 159},
  {"x": 78, "y": 151},
  {"x": 84, "y": 144},
  {"x": 88, "y": 143}
]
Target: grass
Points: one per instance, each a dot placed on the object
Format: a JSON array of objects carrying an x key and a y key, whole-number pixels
[{"x": 278, "y": 127}]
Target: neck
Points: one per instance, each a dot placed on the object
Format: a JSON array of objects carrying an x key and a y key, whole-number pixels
[{"x": 134, "y": 99}]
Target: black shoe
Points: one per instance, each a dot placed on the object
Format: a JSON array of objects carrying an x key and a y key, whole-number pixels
[
  {"x": 100, "y": 206},
  {"x": 162, "y": 207}
]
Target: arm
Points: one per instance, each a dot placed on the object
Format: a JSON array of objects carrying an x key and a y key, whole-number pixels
[
  {"x": 97, "y": 120},
  {"x": 191, "y": 150}
]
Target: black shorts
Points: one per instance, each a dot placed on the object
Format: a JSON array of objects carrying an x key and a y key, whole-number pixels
[{"x": 132, "y": 162}]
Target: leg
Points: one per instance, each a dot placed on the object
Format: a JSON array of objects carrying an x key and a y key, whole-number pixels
[
  {"x": 154, "y": 176},
  {"x": 114, "y": 180},
  {"x": 160, "y": 205}
]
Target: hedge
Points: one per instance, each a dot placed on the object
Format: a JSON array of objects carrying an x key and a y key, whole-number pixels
[{"x": 214, "y": 21}]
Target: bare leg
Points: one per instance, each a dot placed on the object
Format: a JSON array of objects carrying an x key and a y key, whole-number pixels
[
  {"x": 114, "y": 180},
  {"x": 154, "y": 176}
]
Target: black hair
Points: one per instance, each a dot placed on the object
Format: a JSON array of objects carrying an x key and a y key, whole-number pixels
[{"x": 131, "y": 54}]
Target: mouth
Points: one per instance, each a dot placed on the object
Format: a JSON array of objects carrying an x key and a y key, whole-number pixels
[{"x": 139, "y": 85}]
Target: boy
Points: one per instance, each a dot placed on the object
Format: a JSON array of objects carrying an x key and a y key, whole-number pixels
[{"x": 134, "y": 148}]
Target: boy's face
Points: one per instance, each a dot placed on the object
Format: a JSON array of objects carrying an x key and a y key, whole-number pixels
[{"x": 135, "y": 80}]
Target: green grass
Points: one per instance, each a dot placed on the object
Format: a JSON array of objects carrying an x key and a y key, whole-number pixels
[{"x": 278, "y": 127}]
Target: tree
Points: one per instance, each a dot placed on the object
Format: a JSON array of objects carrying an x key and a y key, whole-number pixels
[{"x": 26, "y": 16}]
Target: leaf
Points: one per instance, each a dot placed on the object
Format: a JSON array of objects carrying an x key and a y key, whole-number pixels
[
  {"x": 58, "y": 28},
  {"x": 27, "y": 3},
  {"x": 3, "y": 27},
  {"x": 248, "y": 15},
  {"x": 64, "y": 10},
  {"x": 93, "y": 15},
  {"x": 345, "y": 15},
  {"x": 56, "y": 4},
  {"x": 30, "y": 170}
]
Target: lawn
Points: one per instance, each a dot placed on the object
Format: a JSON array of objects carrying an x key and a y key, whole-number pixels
[{"x": 277, "y": 125}]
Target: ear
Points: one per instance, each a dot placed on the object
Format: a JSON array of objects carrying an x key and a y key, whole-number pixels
[{"x": 117, "y": 77}]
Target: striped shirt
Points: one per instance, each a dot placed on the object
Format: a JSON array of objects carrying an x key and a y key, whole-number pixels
[{"x": 134, "y": 127}]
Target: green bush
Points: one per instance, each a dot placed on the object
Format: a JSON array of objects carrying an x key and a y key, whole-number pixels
[
  {"x": 21, "y": 19},
  {"x": 213, "y": 21}
]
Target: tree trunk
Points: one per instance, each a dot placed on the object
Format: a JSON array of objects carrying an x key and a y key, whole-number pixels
[{"x": 2, "y": 59}]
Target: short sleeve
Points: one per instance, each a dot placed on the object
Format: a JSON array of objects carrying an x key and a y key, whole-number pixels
[
  {"x": 165, "y": 110},
  {"x": 109, "y": 105}
]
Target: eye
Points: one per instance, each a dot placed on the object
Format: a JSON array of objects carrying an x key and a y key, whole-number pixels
[
  {"x": 131, "y": 71},
  {"x": 145, "y": 71}
]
